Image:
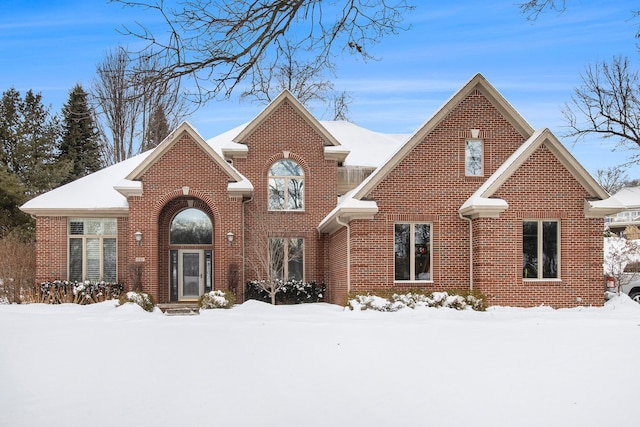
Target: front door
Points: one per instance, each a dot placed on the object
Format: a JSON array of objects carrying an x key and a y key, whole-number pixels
[{"x": 190, "y": 274}]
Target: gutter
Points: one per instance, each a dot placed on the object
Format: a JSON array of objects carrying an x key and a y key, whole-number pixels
[{"x": 470, "y": 249}]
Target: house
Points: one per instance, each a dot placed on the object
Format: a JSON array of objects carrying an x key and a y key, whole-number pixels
[
  {"x": 474, "y": 198},
  {"x": 627, "y": 222}
]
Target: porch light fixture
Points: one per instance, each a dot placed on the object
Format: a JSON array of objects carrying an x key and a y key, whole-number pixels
[
  {"x": 230, "y": 238},
  {"x": 138, "y": 236}
]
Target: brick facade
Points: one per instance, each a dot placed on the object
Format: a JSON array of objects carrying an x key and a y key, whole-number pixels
[{"x": 427, "y": 184}]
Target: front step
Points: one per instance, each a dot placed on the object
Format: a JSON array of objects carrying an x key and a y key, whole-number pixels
[{"x": 179, "y": 309}]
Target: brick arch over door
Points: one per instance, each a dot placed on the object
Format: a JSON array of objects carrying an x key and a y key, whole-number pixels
[{"x": 165, "y": 216}]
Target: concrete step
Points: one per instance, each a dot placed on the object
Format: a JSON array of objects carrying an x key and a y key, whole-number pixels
[{"x": 179, "y": 309}]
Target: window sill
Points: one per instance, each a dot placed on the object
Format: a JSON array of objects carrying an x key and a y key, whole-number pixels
[
  {"x": 413, "y": 282},
  {"x": 541, "y": 281}
]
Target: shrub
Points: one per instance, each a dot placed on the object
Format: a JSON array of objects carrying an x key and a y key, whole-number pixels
[
  {"x": 217, "y": 299},
  {"x": 17, "y": 268},
  {"x": 64, "y": 291},
  {"x": 292, "y": 292},
  {"x": 143, "y": 299},
  {"x": 397, "y": 301}
]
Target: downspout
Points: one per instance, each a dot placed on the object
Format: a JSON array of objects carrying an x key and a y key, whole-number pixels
[
  {"x": 346, "y": 224},
  {"x": 470, "y": 249},
  {"x": 244, "y": 202}
]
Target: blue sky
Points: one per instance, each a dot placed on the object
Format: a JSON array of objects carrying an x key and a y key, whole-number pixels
[{"x": 48, "y": 46}]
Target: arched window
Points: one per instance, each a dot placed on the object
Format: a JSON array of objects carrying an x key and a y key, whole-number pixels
[
  {"x": 286, "y": 186},
  {"x": 191, "y": 227}
]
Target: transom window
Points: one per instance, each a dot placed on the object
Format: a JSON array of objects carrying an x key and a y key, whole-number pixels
[
  {"x": 191, "y": 227},
  {"x": 540, "y": 254},
  {"x": 473, "y": 158},
  {"x": 412, "y": 249},
  {"x": 286, "y": 186},
  {"x": 286, "y": 258},
  {"x": 93, "y": 249}
]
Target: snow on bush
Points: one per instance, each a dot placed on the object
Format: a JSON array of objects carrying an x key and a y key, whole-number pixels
[
  {"x": 216, "y": 299},
  {"x": 413, "y": 300},
  {"x": 143, "y": 299}
]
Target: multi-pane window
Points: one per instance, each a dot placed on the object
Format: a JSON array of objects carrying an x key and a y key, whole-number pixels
[
  {"x": 286, "y": 258},
  {"x": 540, "y": 254},
  {"x": 93, "y": 249},
  {"x": 473, "y": 162},
  {"x": 286, "y": 186},
  {"x": 191, "y": 227},
  {"x": 412, "y": 247}
]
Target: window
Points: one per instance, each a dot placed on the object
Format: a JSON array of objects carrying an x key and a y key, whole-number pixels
[
  {"x": 286, "y": 258},
  {"x": 473, "y": 162},
  {"x": 540, "y": 249},
  {"x": 412, "y": 249},
  {"x": 286, "y": 186},
  {"x": 93, "y": 249},
  {"x": 191, "y": 227}
]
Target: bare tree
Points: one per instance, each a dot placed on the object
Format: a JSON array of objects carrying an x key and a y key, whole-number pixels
[
  {"x": 115, "y": 101},
  {"x": 217, "y": 43},
  {"x": 130, "y": 98},
  {"x": 305, "y": 79},
  {"x": 533, "y": 8},
  {"x": 618, "y": 254},
  {"x": 607, "y": 104},
  {"x": 612, "y": 179},
  {"x": 273, "y": 258}
]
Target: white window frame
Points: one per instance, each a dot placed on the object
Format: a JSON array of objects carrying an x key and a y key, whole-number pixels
[
  {"x": 285, "y": 181},
  {"x": 467, "y": 158},
  {"x": 84, "y": 237}
]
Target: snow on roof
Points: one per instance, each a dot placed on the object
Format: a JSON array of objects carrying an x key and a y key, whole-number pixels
[
  {"x": 629, "y": 197},
  {"x": 97, "y": 192},
  {"x": 94, "y": 192},
  {"x": 367, "y": 148}
]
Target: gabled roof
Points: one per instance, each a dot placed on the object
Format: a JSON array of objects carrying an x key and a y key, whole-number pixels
[
  {"x": 286, "y": 96},
  {"x": 171, "y": 140},
  {"x": 483, "y": 204},
  {"x": 477, "y": 82}
]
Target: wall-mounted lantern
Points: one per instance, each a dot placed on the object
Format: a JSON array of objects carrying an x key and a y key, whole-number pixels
[
  {"x": 138, "y": 236},
  {"x": 230, "y": 237}
]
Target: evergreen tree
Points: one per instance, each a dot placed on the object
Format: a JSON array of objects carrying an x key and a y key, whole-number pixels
[
  {"x": 29, "y": 136},
  {"x": 157, "y": 129},
  {"x": 9, "y": 125},
  {"x": 80, "y": 144},
  {"x": 12, "y": 195}
]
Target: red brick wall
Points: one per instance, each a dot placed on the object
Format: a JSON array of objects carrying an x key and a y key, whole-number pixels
[
  {"x": 541, "y": 189},
  {"x": 429, "y": 185},
  {"x": 336, "y": 267},
  {"x": 51, "y": 248},
  {"x": 183, "y": 165},
  {"x": 285, "y": 130}
]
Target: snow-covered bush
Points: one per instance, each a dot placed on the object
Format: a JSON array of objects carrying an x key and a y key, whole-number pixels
[
  {"x": 64, "y": 291},
  {"x": 619, "y": 253},
  {"x": 143, "y": 299},
  {"x": 217, "y": 299},
  {"x": 398, "y": 301},
  {"x": 290, "y": 292}
]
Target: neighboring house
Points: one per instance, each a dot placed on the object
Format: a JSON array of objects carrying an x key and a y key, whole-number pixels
[
  {"x": 474, "y": 198},
  {"x": 629, "y": 219}
]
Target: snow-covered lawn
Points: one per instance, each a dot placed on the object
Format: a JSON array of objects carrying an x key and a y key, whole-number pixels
[{"x": 319, "y": 365}]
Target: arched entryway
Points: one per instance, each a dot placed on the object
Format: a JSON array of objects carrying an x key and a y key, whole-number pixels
[{"x": 186, "y": 250}]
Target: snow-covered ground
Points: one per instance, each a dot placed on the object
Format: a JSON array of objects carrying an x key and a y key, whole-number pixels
[{"x": 319, "y": 365}]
